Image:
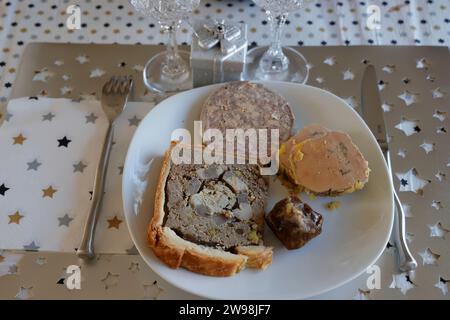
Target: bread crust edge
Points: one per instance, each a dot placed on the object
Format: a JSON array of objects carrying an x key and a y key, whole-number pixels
[{"x": 176, "y": 252}]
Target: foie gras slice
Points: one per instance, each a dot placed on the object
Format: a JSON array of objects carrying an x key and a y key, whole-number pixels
[
  {"x": 328, "y": 163},
  {"x": 311, "y": 131}
]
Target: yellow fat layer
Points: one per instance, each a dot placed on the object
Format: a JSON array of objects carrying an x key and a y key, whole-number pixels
[{"x": 297, "y": 156}]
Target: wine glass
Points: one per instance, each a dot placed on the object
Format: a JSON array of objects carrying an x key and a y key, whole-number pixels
[
  {"x": 168, "y": 71},
  {"x": 275, "y": 62}
]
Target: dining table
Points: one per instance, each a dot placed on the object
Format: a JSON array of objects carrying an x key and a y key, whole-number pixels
[{"x": 409, "y": 49}]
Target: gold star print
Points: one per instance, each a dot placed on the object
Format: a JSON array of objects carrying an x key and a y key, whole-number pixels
[
  {"x": 114, "y": 223},
  {"x": 19, "y": 139},
  {"x": 396, "y": 8},
  {"x": 48, "y": 192},
  {"x": 15, "y": 218}
]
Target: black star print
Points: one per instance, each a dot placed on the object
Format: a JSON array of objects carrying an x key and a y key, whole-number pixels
[
  {"x": 33, "y": 98},
  {"x": 8, "y": 85},
  {"x": 403, "y": 182},
  {"x": 64, "y": 142},
  {"x": 2, "y": 64},
  {"x": 417, "y": 129},
  {"x": 408, "y": 279},
  {"x": 3, "y": 189},
  {"x": 389, "y": 245}
]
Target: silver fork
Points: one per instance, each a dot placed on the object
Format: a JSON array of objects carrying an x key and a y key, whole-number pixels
[{"x": 114, "y": 98}]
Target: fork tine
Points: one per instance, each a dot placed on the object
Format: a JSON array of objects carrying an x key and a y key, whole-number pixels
[
  {"x": 116, "y": 85},
  {"x": 129, "y": 84},
  {"x": 108, "y": 85},
  {"x": 123, "y": 85}
]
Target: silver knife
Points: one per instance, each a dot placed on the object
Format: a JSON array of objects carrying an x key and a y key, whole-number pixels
[{"x": 372, "y": 114}]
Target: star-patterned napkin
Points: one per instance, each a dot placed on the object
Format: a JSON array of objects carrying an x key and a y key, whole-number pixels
[{"x": 49, "y": 151}]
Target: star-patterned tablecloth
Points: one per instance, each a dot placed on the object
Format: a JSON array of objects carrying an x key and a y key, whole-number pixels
[{"x": 321, "y": 23}]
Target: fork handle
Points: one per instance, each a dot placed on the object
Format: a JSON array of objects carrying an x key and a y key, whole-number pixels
[
  {"x": 405, "y": 258},
  {"x": 86, "y": 248}
]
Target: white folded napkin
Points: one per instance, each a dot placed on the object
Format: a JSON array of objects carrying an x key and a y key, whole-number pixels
[{"x": 49, "y": 151}]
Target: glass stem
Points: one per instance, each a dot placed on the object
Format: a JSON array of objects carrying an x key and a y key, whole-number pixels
[
  {"x": 274, "y": 60},
  {"x": 174, "y": 65}
]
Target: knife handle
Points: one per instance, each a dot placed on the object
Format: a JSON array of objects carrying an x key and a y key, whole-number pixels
[{"x": 406, "y": 259}]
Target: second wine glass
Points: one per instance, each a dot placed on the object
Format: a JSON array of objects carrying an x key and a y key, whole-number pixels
[{"x": 275, "y": 62}]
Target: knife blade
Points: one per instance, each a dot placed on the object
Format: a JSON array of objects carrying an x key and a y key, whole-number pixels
[
  {"x": 372, "y": 114},
  {"x": 371, "y": 110}
]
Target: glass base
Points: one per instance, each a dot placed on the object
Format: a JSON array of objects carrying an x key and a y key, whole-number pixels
[
  {"x": 296, "y": 72},
  {"x": 156, "y": 81}
]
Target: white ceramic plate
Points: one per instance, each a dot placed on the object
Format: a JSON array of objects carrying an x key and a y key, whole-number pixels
[{"x": 353, "y": 236}]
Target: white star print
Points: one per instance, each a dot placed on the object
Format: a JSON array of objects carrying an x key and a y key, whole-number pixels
[
  {"x": 402, "y": 153},
  {"x": 110, "y": 280},
  {"x": 440, "y": 115},
  {"x": 422, "y": 64},
  {"x": 82, "y": 59},
  {"x": 41, "y": 261},
  {"x": 437, "y": 230},
  {"x": 407, "y": 210},
  {"x": 331, "y": 61},
  {"x": 390, "y": 68},
  {"x": 399, "y": 281},
  {"x": 43, "y": 75},
  {"x": 352, "y": 102},
  {"x": 348, "y": 75},
  {"x": 414, "y": 182},
  {"x": 442, "y": 284},
  {"x": 436, "y": 205},
  {"x": 152, "y": 291},
  {"x": 96, "y": 73},
  {"x": 386, "y": 107},
  {"x": 437, "y": 93},
  {"x": 409, "y": 98},
  {"x": 429, "y": 257},
  {"x": 427, "y": 146},
  {"x": 65, "y": 90},
  {"x": 24, "y": 293},
  {"x": 362, "y": 295},
  {"x": 408, "y": 126},
  {"x": 138, "y": 68},
  {"x": 440, "y": 176}
]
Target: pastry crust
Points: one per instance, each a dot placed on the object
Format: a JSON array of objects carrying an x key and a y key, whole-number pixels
[{"x": 177, "y": 252}]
